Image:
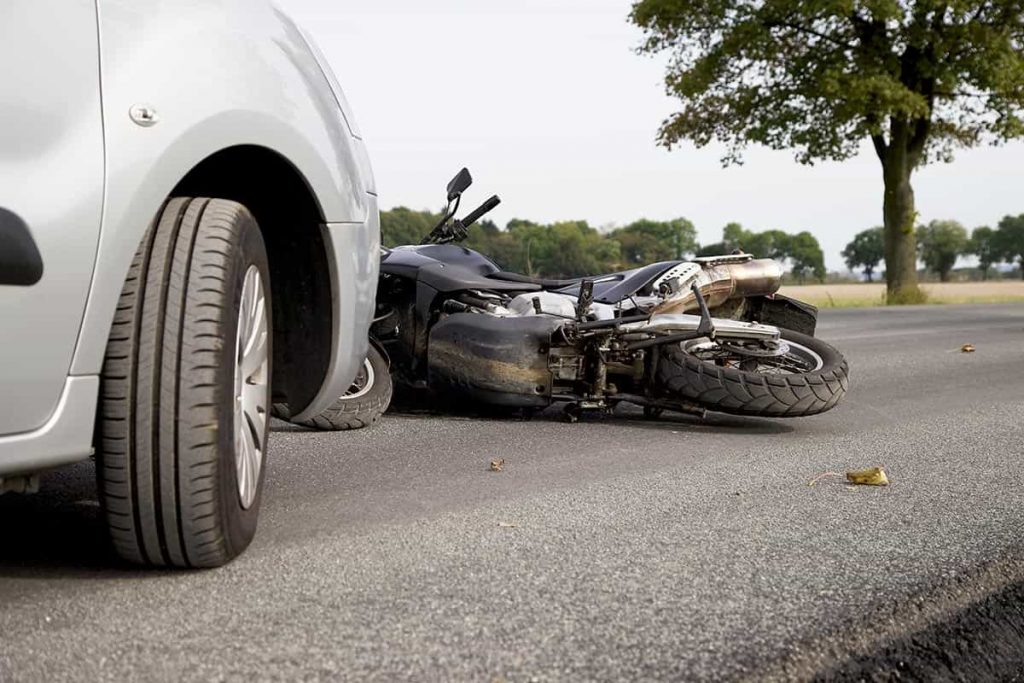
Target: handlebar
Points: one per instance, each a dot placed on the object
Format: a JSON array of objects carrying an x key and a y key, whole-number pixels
[
  {"x": 456, "y": 230},
  {"x": 478, "y": 213}
]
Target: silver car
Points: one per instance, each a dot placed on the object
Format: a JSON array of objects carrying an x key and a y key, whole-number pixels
[{"x": 188, "y": 234}]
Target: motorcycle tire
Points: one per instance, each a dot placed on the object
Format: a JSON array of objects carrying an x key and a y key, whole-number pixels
[
  {"x": 815, "y": 380},
  {"x": 361, "y": 406}
]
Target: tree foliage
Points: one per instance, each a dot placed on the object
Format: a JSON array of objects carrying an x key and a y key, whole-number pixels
[
  {"x": 646, "y": 241},
  {"x": 572, "y": 248},
  {"x": 985, "y": 246},
  {"x": 865, "y": 251},
  {"x": 917, "y": 78},
  {"x": 405, "y": 226},
  {"x": 1010, "y": 240},
  {"x": 801, "y": 251},
  {"x": 941, "y": 243}
]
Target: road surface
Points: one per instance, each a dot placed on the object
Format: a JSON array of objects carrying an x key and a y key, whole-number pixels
[{"x": 611, "y": 549}]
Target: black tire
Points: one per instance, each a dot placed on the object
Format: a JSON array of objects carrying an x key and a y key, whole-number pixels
[
  {"x": 166, "y": 459},
  {"x": 741, "y": 392},
  {"x": 361, "y": 407}
]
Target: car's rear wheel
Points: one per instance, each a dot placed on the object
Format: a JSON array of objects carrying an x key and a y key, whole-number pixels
[{"x": 186, "y": 389}]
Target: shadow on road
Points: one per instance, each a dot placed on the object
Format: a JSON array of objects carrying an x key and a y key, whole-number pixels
[
  {"x": 57, "y": 532},
  {"x": 60, "y": 533},
  {"x": 623, "y": 416}
]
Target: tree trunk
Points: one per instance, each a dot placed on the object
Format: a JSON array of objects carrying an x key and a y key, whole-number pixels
[{"x": 899, "y": 215}]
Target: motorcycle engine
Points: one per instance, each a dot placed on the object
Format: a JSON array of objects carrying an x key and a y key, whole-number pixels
[{"x": 544, "y": 303}]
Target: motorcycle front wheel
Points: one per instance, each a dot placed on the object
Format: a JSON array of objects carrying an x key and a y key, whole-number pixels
[
  {"x": 361, "y": 406},
  {"x": 803, "y": 376}
]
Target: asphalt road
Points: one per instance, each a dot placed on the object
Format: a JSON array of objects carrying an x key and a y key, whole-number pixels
[{"x": 610, "y": 549}]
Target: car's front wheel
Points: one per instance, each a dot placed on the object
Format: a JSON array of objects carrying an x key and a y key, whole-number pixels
[{"x": 186, "y": 389}]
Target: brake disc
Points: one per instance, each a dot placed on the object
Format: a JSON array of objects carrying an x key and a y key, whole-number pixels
[{"x": 760, "y": 350}]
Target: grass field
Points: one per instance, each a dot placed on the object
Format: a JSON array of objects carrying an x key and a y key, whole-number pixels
[{"x": 861, "y": 295}]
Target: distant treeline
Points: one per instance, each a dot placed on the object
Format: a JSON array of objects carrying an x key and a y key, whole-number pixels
[
  {"x": 573, "y": 248},
  {"x": 941, "y": 243}
]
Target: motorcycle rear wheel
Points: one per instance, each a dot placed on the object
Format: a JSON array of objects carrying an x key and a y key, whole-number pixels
[{"x": 810, "y": 378}]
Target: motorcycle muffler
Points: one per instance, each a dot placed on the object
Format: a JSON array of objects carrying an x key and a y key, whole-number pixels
[{"x": 719, "y": 280}]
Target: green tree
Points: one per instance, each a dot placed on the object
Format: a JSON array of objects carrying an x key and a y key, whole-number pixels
[
  {"x": 865, "y": 251},
  {"x": 917, "y": 78},
  {"x": 805, "y": 257},
  {"x": 941, "y": 243},
  {"x": 646, "y": 241},
  {"x": 1010, "y": 238},
  {"x": 565, "y": 249},
  {"x": 768, "y": 244},
  {"x": 405, "y": 226},
  {"x": 802, "y": 251},
  {"x": 985, "y": 246}
]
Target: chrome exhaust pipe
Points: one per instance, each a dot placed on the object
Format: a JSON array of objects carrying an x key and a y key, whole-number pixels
[
  {"x": 719, "y": 280},
  {"x": 725, "y": 328}
]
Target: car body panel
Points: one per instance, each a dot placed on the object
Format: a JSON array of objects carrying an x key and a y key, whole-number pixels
[
  {"x": 215, "y": 74},
  {"x": 173, "y": 56},
  {"x": 51, "y": 177}
]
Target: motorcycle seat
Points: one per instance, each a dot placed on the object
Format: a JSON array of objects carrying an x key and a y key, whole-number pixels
[{"x": 526, "y": 279}]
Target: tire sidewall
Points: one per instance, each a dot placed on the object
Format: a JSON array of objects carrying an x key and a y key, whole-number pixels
[
  {"x": 238, "y": 525},
  {"x": 381, "y": 379},
  {"x": 732, "y": 390}
]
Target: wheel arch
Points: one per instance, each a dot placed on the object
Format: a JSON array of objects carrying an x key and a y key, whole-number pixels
[{"x": 290, "y": 219}]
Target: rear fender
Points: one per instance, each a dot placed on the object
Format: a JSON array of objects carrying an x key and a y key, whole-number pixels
[{"x": 782, "y": 311}]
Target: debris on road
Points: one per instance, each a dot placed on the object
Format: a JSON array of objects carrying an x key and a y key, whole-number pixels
[
  {"x": 508, "y": 525},
  {"x": 967, "y": 348},
  {"x": 496, "y": 465},
  {"x": 873, "y": 476}
]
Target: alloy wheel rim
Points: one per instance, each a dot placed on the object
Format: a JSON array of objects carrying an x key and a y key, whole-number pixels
[
  {"x": 363, "y": 382},
  {"x": 250, "y": 386},
  {"x": 791, "y": 358}
]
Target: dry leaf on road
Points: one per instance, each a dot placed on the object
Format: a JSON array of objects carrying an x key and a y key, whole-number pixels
[
  {"x": 873, "y": 476},
  {"x": 496, "y": 465},
  {"x": 967, "y": 348}
]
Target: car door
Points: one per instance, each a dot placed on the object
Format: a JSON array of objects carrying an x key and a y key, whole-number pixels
[{"x": 51, "y": 197}]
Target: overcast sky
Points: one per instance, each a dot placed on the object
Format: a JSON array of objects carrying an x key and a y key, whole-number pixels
[{"x": 549, "y": 106}]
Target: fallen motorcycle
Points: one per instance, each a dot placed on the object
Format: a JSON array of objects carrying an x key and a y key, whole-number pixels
[{"x": 704, "y": 334}]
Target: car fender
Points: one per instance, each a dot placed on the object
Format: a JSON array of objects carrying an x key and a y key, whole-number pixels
[{"x": 211, "y": 76}]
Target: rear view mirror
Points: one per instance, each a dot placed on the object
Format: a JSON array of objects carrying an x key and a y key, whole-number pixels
[{"x": 459, "y": 183}]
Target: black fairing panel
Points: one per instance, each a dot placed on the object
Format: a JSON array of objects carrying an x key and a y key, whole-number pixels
[
  {"x": 446, "y": 277},
  {"x": 619, "y": 286},
  {"x": 499, "y": 361},
  {"x": 448, "y": 268},
  {"x": 455, "y": 255},
  {"x": 451, "y": 268}
]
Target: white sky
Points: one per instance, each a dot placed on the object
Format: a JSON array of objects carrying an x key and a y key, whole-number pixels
[{"x": 549, "y": 106}]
